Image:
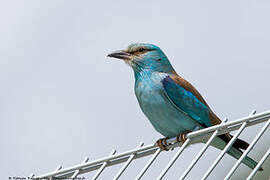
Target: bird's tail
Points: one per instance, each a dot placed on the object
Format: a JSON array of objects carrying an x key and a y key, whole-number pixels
[{"x": 236, "y": 153}]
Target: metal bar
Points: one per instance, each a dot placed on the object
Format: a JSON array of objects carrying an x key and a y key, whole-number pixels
[
  {"x": 248, "y": 149},
  {"x": 141, "y": 152},
  {"x": 149, "y": 163},
  {"x": 103, "y": 166},
  {"x": 199, "y": 138},
  {"x": 179, "y": 152},
  {"x": 31, "y": 176},
  {"x": 99, "y": 162},
  {"x": 110, "y": 163},
  {"x": 57, "y": 169},
  {"x": 227, "y": 147},
  {"x": 199, "y": 155},
  {"x": 126, "y": 164},
  {"x": 86, "y": 159},
  {"x": 238, "y": 121},
  {"x": 151, "y": 149},
  {"x": 252, "y": 174}
]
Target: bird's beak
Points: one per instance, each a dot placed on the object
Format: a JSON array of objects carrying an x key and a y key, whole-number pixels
[{"x": 120, "y": 55}]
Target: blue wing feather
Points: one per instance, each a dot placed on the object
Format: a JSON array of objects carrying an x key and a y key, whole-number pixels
[{"x": 187, "y": 102}]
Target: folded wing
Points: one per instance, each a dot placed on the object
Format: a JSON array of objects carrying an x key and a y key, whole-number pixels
[{"x": 189, "y": 100}]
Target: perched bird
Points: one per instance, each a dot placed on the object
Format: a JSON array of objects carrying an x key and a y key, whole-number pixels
[{"x": 173, "y": 106}]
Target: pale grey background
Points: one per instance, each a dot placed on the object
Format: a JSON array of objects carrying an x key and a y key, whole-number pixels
[{"x": 61, "y": 99}]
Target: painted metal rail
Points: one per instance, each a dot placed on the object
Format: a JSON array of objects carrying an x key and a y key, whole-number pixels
[{"x": 206, "y": 135}]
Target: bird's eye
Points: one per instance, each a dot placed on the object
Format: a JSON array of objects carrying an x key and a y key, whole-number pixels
[{"x": 141, "y": 49}]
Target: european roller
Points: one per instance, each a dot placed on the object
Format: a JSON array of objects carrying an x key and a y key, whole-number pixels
[{"x": 172, "y": 105}]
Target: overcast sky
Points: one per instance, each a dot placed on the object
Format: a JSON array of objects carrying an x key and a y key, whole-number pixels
[{"x": 61, "y": 99}]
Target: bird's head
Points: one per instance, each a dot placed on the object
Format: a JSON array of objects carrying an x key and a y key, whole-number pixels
[{"x": 144, "y": 57}]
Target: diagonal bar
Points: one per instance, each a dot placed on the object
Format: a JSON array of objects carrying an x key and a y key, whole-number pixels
[
  {"x": 258, "y": 117},
  {"x": 149, "y": 163},
  {"x": 86, "y": 159},
  {"x": 199, "y": 155},
  {"x": 103, "y": 166},
  {"x": 126, "y": 164},
  {"x": 31, "y": 176},
  {"x": 59, "y": 167},
  {"x": 248, "y": 149},
  {"x": 227, "y": 147},
  {"x": 150, "y": 149},
  {"x": 179, "y": 152},
  {"x": 252, "y": 174}
]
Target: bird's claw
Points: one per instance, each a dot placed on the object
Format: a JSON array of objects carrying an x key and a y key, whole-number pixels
[
  {"x": 162, "y": 144},
  {"x": 182, "y": 137}
]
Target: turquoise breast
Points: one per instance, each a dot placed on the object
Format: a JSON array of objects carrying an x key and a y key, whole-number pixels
[{"x": 162, "y": 113}]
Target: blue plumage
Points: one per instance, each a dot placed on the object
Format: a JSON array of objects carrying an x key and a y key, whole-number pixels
[
  {"x": 187, "y": 102},
  {"x": 172, "y": 104},
  {"x": 164, "y": 116}
]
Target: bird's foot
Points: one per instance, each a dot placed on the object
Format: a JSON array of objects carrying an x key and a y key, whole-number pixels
[
  {"x": 162, "y": 144},
  {"x": 182, "y": 136}
]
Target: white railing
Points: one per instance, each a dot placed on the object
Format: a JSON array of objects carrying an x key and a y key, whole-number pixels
[{"x": 206, "y": 135}]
